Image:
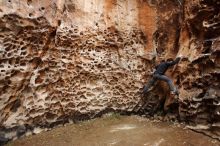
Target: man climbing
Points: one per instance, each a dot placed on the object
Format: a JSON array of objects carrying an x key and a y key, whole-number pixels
[{"x": 159, "y": 75}]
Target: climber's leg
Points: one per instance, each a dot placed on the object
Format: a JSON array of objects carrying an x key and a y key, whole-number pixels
[
  {"x": 148, "y": 85},
  {"x": 169, "y": 81}
]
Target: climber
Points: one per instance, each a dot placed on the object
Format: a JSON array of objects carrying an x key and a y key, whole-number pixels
[
  {"x": 159, "y": 75},
  {"x": 3, "y": 139}
]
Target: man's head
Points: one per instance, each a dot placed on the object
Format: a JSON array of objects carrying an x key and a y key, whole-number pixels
[
  {"x": 159, "y": 60},
  {"x": 162, "y": 60}
]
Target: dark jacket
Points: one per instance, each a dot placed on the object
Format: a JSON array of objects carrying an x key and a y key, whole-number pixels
[{"x": 162, "y": 67}]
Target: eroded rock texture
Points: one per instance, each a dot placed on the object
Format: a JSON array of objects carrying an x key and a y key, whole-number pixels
[
  {"x": 67, "y": 60},
  {"x": 200, "y": 76},
  {"x": 74, "y": 60}
]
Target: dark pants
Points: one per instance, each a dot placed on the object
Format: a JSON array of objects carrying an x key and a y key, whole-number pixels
[{"x": 159, "y": 77}]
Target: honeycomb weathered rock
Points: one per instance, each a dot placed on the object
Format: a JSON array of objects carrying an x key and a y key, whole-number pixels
[{"x": 65, "y": 60}]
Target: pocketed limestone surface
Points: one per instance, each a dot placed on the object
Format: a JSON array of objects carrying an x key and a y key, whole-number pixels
[{"x": 68, "y": 60}]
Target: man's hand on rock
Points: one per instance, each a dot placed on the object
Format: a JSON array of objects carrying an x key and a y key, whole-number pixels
[{"x": 180, "y": 56}]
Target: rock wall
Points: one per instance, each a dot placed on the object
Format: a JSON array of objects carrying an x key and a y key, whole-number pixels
[
  {"x": 200, "y": 77},
  {"x": 190, "y": 29},
  {"x": 64, "y": 60},
  {"x": 67, "y": 60}
]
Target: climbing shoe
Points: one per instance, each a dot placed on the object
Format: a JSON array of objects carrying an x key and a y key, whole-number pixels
[{"x": 175, "y": 92}]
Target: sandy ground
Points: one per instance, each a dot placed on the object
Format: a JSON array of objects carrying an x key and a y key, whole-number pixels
[{"x": 117, "y": 131}]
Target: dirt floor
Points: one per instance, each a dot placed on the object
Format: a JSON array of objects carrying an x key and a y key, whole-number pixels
[{"x": 118, "y": 131}]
